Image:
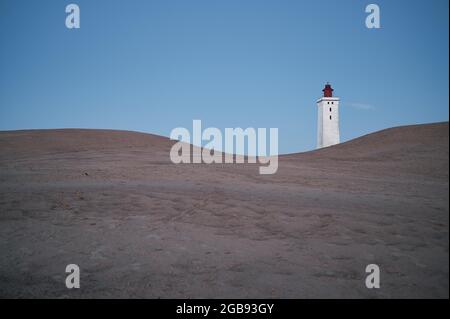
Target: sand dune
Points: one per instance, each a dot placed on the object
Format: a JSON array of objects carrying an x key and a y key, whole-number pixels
[{"x": 140, "y": 226}]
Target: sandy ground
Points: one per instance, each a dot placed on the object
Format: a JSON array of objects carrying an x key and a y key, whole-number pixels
[{"x": 140, "y": 226}]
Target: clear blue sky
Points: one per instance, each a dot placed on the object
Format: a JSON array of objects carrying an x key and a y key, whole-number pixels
[{"x": 152, "y": 66}]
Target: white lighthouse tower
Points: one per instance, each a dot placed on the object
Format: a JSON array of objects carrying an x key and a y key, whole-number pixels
[{"x": 327, "y": 118}]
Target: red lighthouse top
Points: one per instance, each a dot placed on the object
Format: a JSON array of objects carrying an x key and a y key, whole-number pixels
[{"x": 327, "y": 91}]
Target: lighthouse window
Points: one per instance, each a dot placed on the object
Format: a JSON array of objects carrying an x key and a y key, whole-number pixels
[
  {"x": 330, "y": 109},
  {"x": 332, "y": 102},
  {"x": 330, "y": 117}
]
